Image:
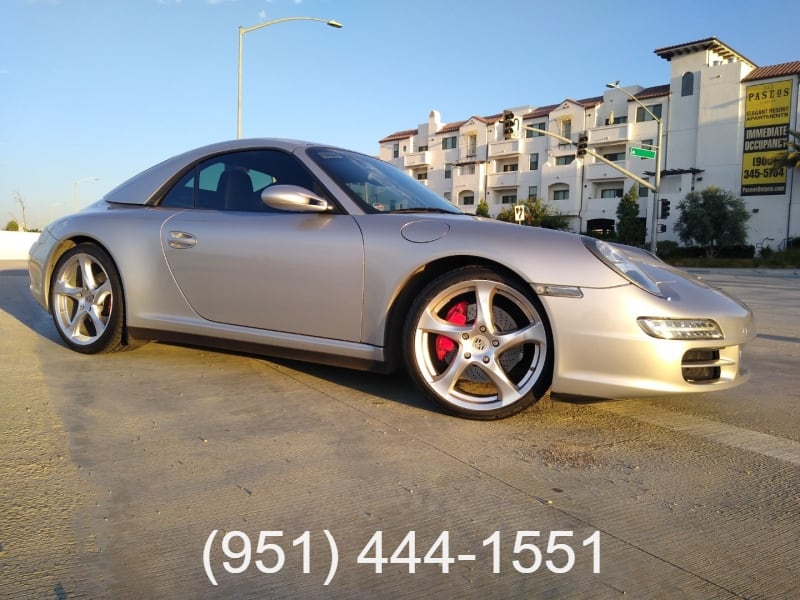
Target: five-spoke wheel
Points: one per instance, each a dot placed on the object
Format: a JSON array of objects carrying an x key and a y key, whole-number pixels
[
  {"x": 86, "y": 300},
  {"x": 478, "y": 344}
]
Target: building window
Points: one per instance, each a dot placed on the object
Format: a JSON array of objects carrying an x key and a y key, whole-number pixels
[
  {"x": 566, "y": 128},
  {"x": 395, "y": 150},
  {"x": 533, "y": 191},
  {"x": 508, "y": 168},
  {"x": 508, "y": 199},
  {"x": 467, "y": 200},
  {"x": 472, "y": 145},
  {"x": 447, "y": 196},
  {"x": 643, "y": 192},
  {"x": 422, "y": 175},
  {"x": 600, "y": 227},
  {"x": 468, "y": 170},
  {"x": 565, "y": 160},
  {"x": 448, "y": 143},
  {"x": 687, "y": 84},
  {"x": 643, "y": 115},
  {"x": 448, "y": 171},
  {"x": 421, "y": 148},
  {"x": 535, "y": 161},
  {"x": 560, "y": 194},
  {"x": 611, "y": 193},
  {"x": 615, "y": 156},
  {"x": 531, "y": 134}
]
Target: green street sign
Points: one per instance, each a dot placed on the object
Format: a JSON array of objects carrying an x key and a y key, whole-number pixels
[{"x": 642, "y": 152}]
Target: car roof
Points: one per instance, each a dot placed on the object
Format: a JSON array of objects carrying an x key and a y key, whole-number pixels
[{"x": 142, "y": 187}]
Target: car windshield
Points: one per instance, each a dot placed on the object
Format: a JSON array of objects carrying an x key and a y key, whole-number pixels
[{"x": 376, "y": 185}]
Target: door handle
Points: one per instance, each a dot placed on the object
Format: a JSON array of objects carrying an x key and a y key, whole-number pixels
[{"x": 181, "y": 240}]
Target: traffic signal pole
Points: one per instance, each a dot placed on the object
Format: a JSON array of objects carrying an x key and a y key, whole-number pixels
[
  {"x": 602, "y": 159},
  {"x": 624, "y": 171}
]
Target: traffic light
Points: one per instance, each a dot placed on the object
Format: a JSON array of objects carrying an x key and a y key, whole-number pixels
[
  {"x": 509, "y": 125},
  {"x": 664, "y": 208},
  {"x": 583, "y": 141}
]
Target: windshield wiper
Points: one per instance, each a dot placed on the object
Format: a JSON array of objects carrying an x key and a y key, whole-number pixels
[{"x": 424, "y": 209}]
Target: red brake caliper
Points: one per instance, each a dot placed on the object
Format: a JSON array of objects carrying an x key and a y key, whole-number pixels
[{"x": 458, "y": 316}]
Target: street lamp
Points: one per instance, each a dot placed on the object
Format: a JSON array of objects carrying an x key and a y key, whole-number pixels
[
  {"x": 75, "y": 191},
  {"x": 654, "y": 210},
  {"x": 242, "y": 31}
]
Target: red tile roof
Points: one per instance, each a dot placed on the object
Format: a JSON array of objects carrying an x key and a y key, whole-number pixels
[
  {"x": 782, "y": 70},
  {"x": 652, "y": 92},
  {"x": 399, "y": 135},
  {"x": 710, "y": 43}
]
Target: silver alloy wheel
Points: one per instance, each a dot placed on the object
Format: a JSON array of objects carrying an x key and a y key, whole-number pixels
[
  {"x": 82, "y": 299},
  {"x": 498, "y": 354}
]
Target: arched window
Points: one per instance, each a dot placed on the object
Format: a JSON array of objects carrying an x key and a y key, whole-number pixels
[{"x": 687, "y": 84}]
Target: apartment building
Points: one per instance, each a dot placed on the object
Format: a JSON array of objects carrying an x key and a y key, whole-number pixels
[{"x": 721, "y": 117}]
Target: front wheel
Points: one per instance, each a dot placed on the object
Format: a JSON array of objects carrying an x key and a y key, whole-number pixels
[
  {"x": 86, "y": 300},
  {"x": 478, "y": 344}
]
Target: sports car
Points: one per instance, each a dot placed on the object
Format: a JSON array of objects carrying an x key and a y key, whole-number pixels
[{"x": 306, "y": 251}]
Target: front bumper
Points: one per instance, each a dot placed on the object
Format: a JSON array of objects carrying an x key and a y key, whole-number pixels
[{"x": 601, "y": 351}]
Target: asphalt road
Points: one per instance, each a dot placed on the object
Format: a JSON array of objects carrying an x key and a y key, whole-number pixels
[{"x": 118, "y": 470}]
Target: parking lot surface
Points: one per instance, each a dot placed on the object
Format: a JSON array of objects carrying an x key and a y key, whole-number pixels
[{"x": 171, "y": 471}]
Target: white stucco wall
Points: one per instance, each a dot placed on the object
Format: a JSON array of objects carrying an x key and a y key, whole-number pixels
[{"x": 14, "y": 245}]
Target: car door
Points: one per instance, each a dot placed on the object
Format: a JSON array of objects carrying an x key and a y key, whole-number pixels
[{"x": 238, "y": 262}]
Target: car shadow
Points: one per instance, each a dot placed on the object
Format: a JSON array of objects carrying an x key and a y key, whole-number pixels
[
  {"x": 16, "y": 301},
  {"x": 392, "y": 387}
]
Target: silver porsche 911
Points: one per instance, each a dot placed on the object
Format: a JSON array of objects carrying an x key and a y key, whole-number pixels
[{"x": 299, "y": 250}]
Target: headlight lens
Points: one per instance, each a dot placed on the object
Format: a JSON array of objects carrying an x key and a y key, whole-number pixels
[
  {"x": 680, "y": 329},
  {"x": 622, "y": 264}
]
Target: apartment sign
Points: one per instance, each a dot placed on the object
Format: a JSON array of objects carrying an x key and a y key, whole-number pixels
[{"x": 766, "y": 135}]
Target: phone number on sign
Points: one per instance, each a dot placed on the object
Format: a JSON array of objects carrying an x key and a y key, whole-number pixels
[{"x": 530, "y": 552}]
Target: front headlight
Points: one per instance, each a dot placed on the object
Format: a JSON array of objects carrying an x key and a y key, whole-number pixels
[
  {"x": 681, "y": 329},
  {"x": 622, "y": 264}
]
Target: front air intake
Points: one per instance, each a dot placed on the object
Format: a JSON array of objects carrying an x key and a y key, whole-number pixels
[{"x": 701, "y": 365}]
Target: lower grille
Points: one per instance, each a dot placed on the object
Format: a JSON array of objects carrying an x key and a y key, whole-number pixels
[{"x": 701, "y": 365}]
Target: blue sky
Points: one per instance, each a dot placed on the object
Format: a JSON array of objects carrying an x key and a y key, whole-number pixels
[{"x": 106, "y": 88}]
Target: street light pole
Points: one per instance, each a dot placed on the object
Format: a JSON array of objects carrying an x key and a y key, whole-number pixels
[
  {"x": 75, "y": 191},
  {"x": 242, "y": 31},
  {"x": 656, "y": 192}
]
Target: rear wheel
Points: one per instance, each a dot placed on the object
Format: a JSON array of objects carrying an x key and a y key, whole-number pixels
[
  {"x": 86, "y": 300},
  {"x": 478, "y": 344}
]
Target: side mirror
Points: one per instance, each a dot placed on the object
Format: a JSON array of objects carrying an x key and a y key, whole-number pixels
[{"x": 293, "y": 198}]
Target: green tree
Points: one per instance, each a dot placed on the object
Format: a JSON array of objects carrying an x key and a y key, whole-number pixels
[
  {"x": 537, "y": 214},
  {"x": 712, "y": 218},
  {"x": 790, "y": 157},
  {"x": 483, "y": 208},
  {"x": 631, "y": 229},
  {"x": 12, "y": 225}
]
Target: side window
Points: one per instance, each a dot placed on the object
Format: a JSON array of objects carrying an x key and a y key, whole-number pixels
[
  {"x": 182, "y": 193},
  {"x": 235, "y": 181}
]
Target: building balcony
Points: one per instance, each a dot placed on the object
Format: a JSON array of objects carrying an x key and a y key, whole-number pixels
[
  {"x": 468, "y": 158},
  {"x": 504, "y": 148},
  {"x": 417, "y": 159},
  {"x": 509, "y": 179},
  {"x": 610, "y": 134},
  {"x": 599, "y": 171}
]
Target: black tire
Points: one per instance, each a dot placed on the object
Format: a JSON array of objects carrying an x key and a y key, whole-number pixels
[
  {"x": 86, "y": 300},
  {"x": 478, "y": 344}
]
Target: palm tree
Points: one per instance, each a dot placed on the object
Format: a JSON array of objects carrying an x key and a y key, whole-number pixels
[{"x": 791, "y": 156}]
